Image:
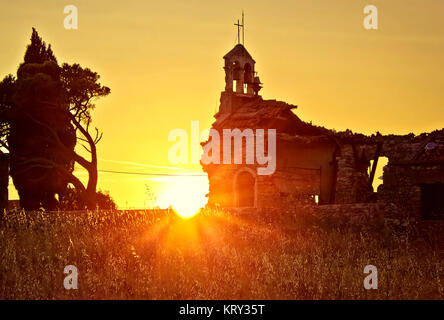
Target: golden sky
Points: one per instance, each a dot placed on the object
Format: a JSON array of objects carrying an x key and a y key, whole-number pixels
[{"x": 163, "y": 63}]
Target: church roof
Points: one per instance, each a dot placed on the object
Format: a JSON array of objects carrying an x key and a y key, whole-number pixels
[
  {"x": 259, "y": 113},
  {"x": 238, "y": 51}
]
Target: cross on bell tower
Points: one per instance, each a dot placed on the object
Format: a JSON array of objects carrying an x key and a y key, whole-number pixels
[{"x": 239, "y": 26}]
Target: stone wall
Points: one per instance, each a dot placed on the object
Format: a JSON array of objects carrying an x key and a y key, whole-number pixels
[
  {"x": 352, "y": 184},
  {"x": 315, "y": 162},
  {"x": 402, "y": 185},
  {"x": 358, "y": 214},
  {"x": 282, "y": 189}
]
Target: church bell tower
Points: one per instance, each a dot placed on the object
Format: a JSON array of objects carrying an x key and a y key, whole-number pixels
[
  {"x": 241, "y": 80},
  {"x": 240, "y": 77}
]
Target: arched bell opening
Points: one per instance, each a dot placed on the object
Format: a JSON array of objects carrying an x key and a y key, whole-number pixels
[{"x": 248, "y": 79}]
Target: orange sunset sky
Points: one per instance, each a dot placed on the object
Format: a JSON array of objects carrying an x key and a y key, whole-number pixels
[{"x": 163, "y": 63}]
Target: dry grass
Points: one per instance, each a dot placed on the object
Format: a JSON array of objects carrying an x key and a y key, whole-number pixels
[{"x": 142, "y": 255}]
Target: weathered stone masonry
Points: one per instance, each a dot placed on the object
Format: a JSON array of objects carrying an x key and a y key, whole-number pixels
[{"x": 321, "y": 167}]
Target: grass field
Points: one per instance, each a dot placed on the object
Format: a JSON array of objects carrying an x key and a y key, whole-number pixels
[{"x": 148, "y": 255}]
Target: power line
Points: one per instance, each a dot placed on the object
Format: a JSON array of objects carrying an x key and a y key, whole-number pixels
[{"x": 156, "y": 174}]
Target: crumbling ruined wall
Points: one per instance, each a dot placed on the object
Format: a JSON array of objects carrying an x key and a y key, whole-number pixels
[
  {"x": 315, "y": 162},
  {"x": 414, "y": 161},
  {"x": 353, "y": 183},
  {"x": 402, "y": 185},
  {"x": 333, "y": 215},
  {"x": 345, "y": 183},
  {"x": 399, "y": 188}
]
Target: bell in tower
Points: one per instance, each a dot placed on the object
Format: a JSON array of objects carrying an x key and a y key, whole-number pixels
[{"x": 239, "y": 72}]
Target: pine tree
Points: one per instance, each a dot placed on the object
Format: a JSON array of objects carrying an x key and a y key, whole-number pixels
[
  {"x": 38, "y": 110},
  {"x": 42, "y": 110},
  {"x": 37, "y": 52}
]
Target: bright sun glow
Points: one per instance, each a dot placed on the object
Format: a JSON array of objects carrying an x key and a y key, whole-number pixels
[{"x": 186, "y": 195}]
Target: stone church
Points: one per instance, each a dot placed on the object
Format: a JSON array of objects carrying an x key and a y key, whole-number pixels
[{"x": 317, "y": 166}]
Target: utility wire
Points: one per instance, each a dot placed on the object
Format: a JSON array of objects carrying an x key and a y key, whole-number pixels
[{"x": 156, "y": 174}]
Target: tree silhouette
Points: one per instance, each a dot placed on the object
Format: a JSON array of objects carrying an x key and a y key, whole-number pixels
[
  {"x": 37, "y": 52},
  {"x": 82, "y": 87},
  {"x": 44, "y": 111}
]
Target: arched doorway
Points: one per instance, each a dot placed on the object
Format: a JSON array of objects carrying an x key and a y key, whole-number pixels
[{"x": 245, "y": 188}]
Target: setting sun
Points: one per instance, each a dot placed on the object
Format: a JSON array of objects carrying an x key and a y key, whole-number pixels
[
  {"x": 186, "y": 195},
  {"x": 186, "y": 211}
]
